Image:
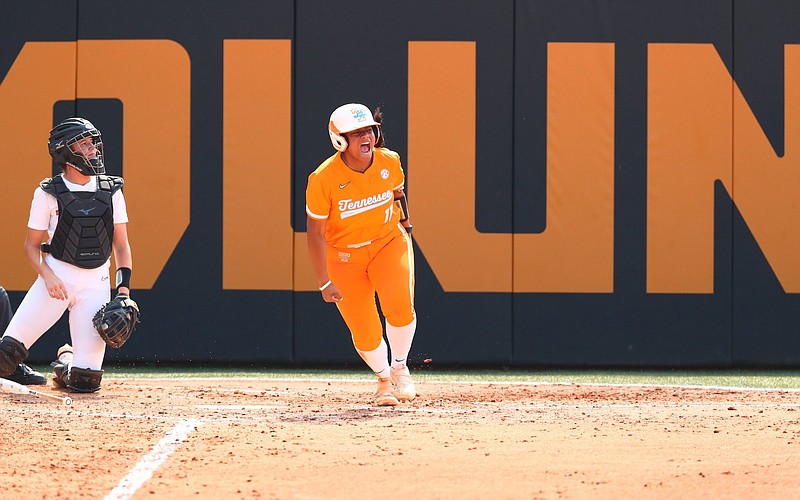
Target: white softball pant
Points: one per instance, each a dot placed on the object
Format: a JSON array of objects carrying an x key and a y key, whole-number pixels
[{"x": 88, "y": 291}]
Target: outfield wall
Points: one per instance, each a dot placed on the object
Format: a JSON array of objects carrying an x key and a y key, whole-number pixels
[{"x": 591, "y": 183}]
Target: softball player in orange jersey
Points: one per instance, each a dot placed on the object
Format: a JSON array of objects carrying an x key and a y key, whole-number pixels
[{"x": 359, "y": 244}]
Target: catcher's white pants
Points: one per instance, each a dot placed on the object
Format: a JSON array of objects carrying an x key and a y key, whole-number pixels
[{"x": 88, "y": 291}]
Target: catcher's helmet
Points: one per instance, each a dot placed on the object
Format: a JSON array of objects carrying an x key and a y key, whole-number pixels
[
  {"x": 69, "y": 132},
  {"x": 347, "y": 118}
]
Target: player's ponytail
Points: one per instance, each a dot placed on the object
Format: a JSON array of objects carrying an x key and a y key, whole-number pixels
[{"x": 377, "y": 115}]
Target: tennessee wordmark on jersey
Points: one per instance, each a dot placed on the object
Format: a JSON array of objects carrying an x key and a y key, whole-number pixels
[
  {"x": 358, "y": 206},
  {"x": 349, "y": 208}
]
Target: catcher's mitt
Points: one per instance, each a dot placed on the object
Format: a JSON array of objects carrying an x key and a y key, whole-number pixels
[{"x": 116, "y": 320}]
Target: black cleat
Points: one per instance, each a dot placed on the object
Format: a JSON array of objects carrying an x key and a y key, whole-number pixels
[{"x": 24, "y": 375}]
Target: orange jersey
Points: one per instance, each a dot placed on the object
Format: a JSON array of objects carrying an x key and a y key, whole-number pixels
[{"x": 358, "y": 207}]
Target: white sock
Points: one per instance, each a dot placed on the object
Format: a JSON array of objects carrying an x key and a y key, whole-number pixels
[
  {"x": 377, "y": 359},
  {"x": 400, "y": 338}
]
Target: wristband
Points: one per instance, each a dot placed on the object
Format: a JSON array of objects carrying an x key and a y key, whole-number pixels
[
  {"x": 326, "y": 285},
  {"x": 124, "y": 277}
]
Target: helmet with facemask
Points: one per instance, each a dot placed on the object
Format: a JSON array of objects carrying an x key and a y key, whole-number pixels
[{"x": 67, "y": 146}]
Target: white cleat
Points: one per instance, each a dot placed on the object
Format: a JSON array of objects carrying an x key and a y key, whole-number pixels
[
  {"x": 404, "y": 389},
  {"x": 384, "y": 396}
]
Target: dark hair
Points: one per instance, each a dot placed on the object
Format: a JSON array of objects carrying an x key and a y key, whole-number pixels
[{"x": 377, "y": 115}]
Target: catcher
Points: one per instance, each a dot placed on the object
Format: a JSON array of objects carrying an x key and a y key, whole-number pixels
[{"x": 77, "y": 219}]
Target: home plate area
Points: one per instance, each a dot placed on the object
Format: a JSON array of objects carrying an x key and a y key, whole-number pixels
[{"x": 322, "y": 438}]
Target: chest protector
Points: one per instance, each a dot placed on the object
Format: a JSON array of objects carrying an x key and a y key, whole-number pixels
[{"x": 85, "y": 228}]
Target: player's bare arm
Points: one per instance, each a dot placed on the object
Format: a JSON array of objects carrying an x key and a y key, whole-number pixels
[
  {"x": 122, "y": 252},
  {"x": 33, "y": 245},
  {"x": 317, "y": 247}
]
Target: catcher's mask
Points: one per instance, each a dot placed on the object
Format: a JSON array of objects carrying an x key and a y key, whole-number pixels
[
  {"x": 63, "y": 146},
  {"x": 348, "y": 118}
]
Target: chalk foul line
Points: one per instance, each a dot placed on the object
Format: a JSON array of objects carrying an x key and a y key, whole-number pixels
[{"x": 148, "y": 464}]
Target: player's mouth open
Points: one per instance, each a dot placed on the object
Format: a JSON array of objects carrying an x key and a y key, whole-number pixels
[{"x": 365, "y": 147}]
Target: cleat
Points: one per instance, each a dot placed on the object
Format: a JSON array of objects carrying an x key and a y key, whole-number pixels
[
  {"x": 60, "y": 375},
  {"x": 23, "y": 374},
  {"x": 384, "y": 395},
  {"x": 404, "y": 389}
]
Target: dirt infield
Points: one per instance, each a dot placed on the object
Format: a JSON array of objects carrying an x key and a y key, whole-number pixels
[{"x": 306, "y": 439}]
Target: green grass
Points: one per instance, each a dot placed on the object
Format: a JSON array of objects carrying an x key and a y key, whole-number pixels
[{"x": 762, "y": 379}]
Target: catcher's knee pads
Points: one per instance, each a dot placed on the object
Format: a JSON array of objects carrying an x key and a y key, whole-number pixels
[
  {"x": 76, "y": 379},
  {"x": 12, "y": 353}
]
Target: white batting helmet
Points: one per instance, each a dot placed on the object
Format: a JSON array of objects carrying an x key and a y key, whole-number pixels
[{"x": 348, "y": 118}]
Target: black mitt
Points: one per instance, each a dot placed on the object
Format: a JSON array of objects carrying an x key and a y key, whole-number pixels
[{"x": 116, "y": 320}]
